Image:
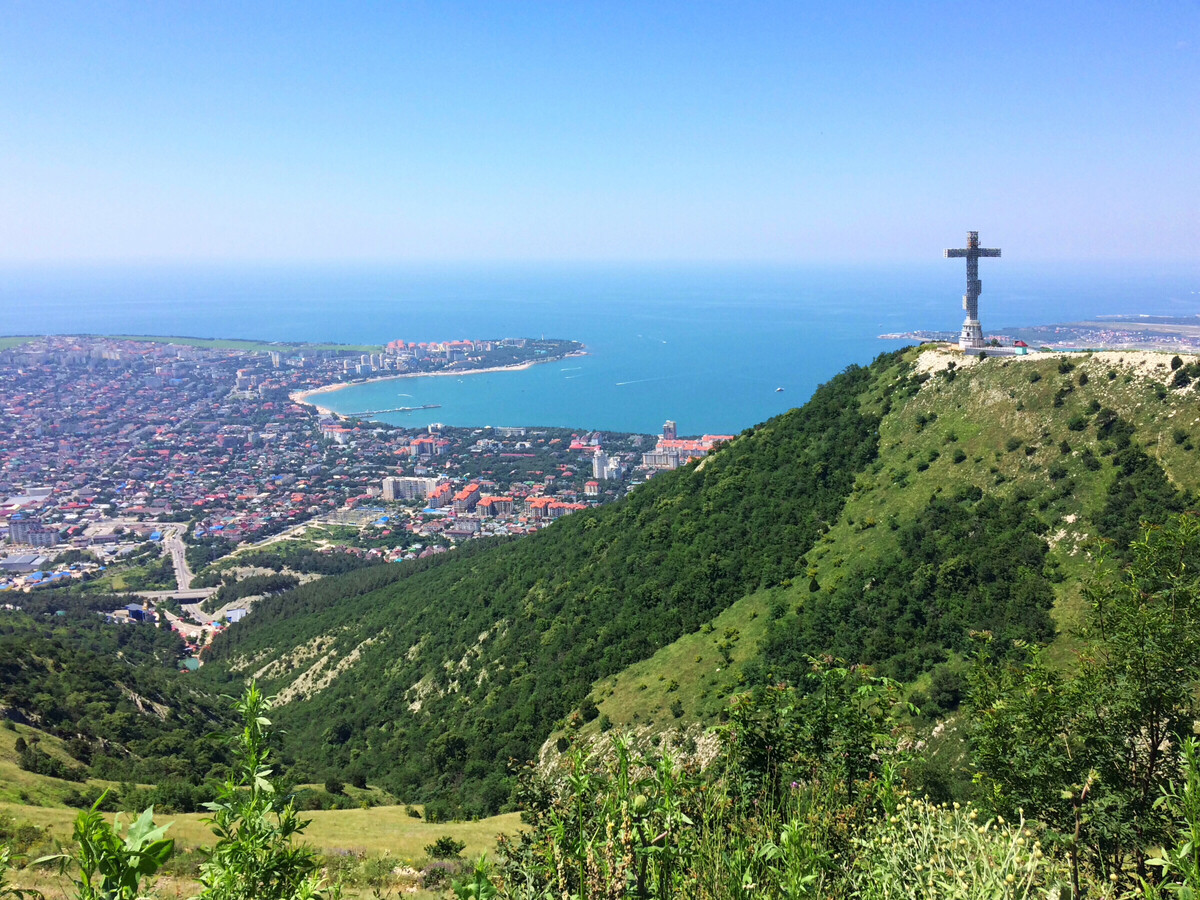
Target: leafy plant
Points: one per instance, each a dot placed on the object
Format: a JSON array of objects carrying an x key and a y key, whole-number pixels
[
  {"x": 1180, "y": 861},
  {"x": 255, "y": 857},
  {"x": 6, "y": 889},
  {"x": 927, "y": 850},
  {"x": 112, "y": 867}
]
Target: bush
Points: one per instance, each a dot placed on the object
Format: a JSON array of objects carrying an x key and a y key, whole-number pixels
[
  {"x": 334, "y": 786},
  {"x": 445, "y": 847},
  {"x": 589, "y": 710},
  {"x": 931, "y": 850}
]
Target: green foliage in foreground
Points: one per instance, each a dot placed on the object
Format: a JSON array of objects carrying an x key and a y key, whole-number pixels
[
  {"x": 805, "y": 800},
  {"x": 1086, "y": 786},
  {"x": 112, "y": 866},
  {"x": 1091, "y": 753}
]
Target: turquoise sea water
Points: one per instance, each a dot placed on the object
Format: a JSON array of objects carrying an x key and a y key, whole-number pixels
[{"x": 705, "y": 346}]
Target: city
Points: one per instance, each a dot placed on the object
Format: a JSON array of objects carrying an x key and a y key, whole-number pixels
[{"x": 137, "y": 467}]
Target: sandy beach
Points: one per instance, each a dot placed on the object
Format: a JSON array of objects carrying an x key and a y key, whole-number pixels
[{"x": 303, "y": 397}]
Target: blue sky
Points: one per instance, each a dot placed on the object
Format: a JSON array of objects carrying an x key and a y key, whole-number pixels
[{"x": 789, "y": 132}]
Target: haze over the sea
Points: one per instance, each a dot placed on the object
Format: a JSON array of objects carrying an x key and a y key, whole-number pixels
[{"x": 706, "y": 346}]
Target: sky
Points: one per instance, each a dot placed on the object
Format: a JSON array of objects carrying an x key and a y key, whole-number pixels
[{"x": 787, "y": 132}]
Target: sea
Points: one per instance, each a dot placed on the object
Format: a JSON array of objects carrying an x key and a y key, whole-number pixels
[{"x": 716, "y": 348}]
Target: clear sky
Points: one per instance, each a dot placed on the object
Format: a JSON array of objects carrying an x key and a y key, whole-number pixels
[{"x": 792, "y": 131}]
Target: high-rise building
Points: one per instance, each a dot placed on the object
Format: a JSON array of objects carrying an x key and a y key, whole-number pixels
[
  {"x": 24, "y": 529},
  {"x": 669, "y": 430},
  {"x": 407, "y": 488}
]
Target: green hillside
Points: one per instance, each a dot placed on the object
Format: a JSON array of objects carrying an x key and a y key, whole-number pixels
[
  {"x": 431, "y": 682},
  {"x": 906, "y": 505},
  {"x": 995, "y": 432},
  {"x": 90, "y": 700}
]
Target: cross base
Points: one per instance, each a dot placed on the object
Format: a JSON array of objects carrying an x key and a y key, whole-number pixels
[{"x": 972, "y": 336}]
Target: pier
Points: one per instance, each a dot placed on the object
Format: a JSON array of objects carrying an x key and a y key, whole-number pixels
[{"x": 397, "y": 409}]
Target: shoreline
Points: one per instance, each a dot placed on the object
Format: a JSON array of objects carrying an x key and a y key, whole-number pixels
[{"x": 302, "y": 397}]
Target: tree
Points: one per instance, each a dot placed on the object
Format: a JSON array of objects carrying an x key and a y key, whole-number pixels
[
  {"x": 254, "y": 857},
  {"x": 1091, "y": 753}
]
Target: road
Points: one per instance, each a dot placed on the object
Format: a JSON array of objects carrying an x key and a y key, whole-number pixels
[
  {"x": 172, "y": 540},
  {"x": 173, "y": 544}
]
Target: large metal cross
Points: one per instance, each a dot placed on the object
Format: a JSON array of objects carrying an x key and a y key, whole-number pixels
[{"x": 972, "y": 333}]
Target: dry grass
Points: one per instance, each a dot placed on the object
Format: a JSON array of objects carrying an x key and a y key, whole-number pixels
[{"x": 382, "y": 829}]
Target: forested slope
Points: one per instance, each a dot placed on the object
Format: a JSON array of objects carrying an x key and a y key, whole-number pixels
[
  {"x": 428, "y": 677},
  {"x": 111, "y": 693}
]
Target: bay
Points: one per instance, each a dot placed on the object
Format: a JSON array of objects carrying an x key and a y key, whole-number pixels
[{"x": 705, "y": 345}]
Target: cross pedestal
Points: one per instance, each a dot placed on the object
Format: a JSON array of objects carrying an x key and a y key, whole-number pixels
[{"x": 971, "y": 337}]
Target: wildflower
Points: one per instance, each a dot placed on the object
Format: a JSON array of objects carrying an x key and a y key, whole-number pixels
[
  {"x": 1113, "y": 877},
  {"x": 1009, "y": 878}
]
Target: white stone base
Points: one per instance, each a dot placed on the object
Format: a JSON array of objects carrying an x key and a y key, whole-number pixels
[{"x": 972, "y": 335}]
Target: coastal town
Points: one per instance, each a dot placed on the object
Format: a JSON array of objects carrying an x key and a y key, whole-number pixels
[{"x": 144, "y": 469}]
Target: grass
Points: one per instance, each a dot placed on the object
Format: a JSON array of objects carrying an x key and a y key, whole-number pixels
[
  {"x": 692, "y": 670},
  {"x": 27, "y": 789},
  {"x": 14, "y": 341},
  {"x": 381, "y": 829}
]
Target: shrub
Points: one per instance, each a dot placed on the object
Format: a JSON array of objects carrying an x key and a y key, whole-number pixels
[
  {"x": 333, "y": 786},
  {"x": 445, "y": 847},
  {"x": 589, "y": 710},
  {"x": 931, "y": 850}
]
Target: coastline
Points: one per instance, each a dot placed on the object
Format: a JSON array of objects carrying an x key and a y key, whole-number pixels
[{"x": 302, "y": 397}]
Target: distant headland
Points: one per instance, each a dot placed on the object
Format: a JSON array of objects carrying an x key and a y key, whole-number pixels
[
  {"x": 403, "y": 359},
  {"x": 1173, "y": 334}
]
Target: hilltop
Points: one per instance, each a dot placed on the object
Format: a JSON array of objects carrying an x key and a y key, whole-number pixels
[{"x": 907, "y": 504}]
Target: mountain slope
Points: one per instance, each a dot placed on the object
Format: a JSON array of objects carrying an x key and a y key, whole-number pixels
[
  {"x": 427, "y": 678},
  {"x": 904, "y": 506},
  {"x": 990, "y": 484}
]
